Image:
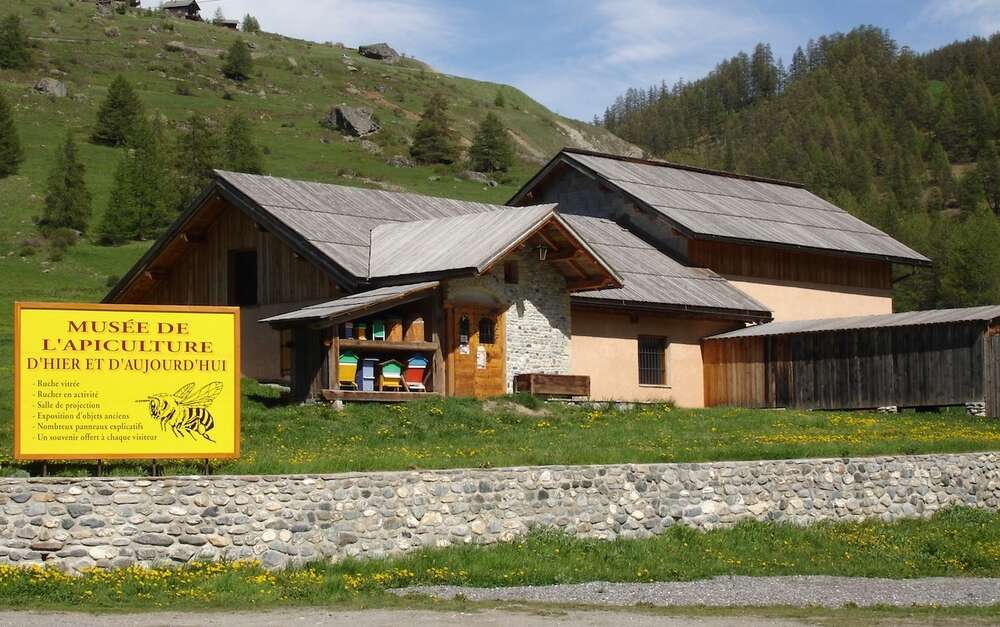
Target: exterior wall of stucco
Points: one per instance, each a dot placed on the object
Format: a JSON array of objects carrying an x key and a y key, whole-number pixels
[
  {"x": 605, "y": 348},
  {"x": 536, "y": 314},
  {"x": 790, "y": 300}
]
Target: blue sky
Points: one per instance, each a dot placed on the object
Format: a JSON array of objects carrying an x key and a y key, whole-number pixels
[{"x": 576, "y": 56}]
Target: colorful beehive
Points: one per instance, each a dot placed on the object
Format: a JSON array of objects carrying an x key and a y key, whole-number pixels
[
  {"x": 416, "y": 367},
  {"x": 348, "y": 331},
  {"x": 361, "y": 330},
  {"x": 368, "y": 367},
  {"x": 378, "y": 330},
  {"x": 347, "y": 370},
  {"x": 391, "y": 376}
]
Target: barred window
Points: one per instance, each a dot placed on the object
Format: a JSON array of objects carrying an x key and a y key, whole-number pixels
[
  {"x": 653, "y": 360},
  {"x": 487, "y": 330}
]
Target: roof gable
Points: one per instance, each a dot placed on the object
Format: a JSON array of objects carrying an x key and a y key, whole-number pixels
[{"x": 705, "y": 204}]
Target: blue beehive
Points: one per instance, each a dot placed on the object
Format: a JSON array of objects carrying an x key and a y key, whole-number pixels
[{"x": 368, "y": 367}]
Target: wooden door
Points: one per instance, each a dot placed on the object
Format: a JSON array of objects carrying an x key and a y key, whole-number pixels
[{"x": 478, "y": 352}]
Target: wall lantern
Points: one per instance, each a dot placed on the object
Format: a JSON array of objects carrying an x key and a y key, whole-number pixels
[{"x": 543, "y": 251}]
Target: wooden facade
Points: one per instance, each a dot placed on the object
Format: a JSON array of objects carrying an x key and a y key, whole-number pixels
[
  {"x": 993, "y": 372},
  {"x": 912, "y": 366},
  {"x": 196, "y": 267},
  {"x": 789, "y": 265}
]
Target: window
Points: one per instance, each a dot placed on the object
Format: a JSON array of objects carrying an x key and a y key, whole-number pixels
[
  {"x": 243, "y": 277},
  {"x": 653, "y": 360},
  {"x": 510, "y": 273},
  {"x": 487, "y": 330}
]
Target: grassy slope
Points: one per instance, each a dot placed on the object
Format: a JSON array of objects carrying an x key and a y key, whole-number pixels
[
  {"x": 287, "y": 115},
  {"x": 955, "y": 543}
]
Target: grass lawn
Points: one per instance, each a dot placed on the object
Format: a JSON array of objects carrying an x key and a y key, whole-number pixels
[
  {"x": 449, "y": 433},
  {"x": 955, "y": 543}
]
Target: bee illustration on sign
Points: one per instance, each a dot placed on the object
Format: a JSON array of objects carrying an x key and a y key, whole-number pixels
[{"x": 185, "y": 413}]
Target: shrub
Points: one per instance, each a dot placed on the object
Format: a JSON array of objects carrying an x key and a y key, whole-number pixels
[
  {"x": 238, "y": 63},
  {"x": 15, "y": 52}
]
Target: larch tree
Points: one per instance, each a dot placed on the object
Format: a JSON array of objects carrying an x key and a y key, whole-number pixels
[
  {"x": 239, "y": 62},
  {"x": 250, "y": 24},
  {"x": 67, "y": 200},
  {"x": 15, "y": 49},
  {"x": 199, "y": 151},
  {"x": 143, "y": 197},
  {"x": 491, "y": 149},
  {"x": 240, "y": 152},
  {"x": 989, "y": 173},
  {"x": 11, "y": 151},
  {"x": 433, "y": 140},
  {"x": 120, "y": 111}
]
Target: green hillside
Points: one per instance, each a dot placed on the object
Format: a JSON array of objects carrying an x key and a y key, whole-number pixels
[{"x": 294, "y": 84}]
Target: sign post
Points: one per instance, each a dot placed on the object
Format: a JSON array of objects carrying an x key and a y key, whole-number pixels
[{"x": 126, "y": 381}]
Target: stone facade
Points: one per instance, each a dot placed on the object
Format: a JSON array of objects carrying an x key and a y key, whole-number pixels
[
  {"x": 113, "y": 522},
  {"x": 537, "y": 314}
]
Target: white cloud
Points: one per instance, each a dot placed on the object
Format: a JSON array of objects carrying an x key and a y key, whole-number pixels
[
  {"x": 981, "y": 17},
  {"x": 407, "y": 25}
]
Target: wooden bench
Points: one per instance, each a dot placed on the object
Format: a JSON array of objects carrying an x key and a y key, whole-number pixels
[{"x": 553, "y": 385}]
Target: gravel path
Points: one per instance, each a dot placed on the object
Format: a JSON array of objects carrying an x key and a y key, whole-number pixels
[
  {"x": 800, "y": 591},
  {"x": 381, "y": 618}
]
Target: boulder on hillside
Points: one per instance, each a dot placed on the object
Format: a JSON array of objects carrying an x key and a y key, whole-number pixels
[
  {"x": 51, "y": 88},
  {"x": 381, "y": 51},
  {"x": 355, "y": 121}
]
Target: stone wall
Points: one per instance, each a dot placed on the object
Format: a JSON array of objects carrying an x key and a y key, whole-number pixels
[
  {"x": 111, "y": 522},
  {"x": 537, "y": 314}
]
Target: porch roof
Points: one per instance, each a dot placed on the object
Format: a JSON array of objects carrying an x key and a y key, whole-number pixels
[{"x": 349, "y": 307}]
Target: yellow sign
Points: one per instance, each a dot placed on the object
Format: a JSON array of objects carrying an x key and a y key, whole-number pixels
[{"x": 126, "y": 381}]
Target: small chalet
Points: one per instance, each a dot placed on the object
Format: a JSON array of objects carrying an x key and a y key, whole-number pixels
[
  {"x": 230, "y": 24},
  {"x": 606, "y": 277},
  {"x": 186, "y": 9}
]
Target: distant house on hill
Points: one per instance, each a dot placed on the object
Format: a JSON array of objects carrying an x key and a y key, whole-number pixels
[
  {"x": 611, "y": 270},
  {"x": 230, "y": 24},
  {"x": 186, "y": 9}
]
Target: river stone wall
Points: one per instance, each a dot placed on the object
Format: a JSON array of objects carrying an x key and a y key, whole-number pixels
[{"x": 283, "y": 521}]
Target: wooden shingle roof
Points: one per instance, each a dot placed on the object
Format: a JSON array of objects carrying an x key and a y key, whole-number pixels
[{"x": 706, "y": 204}]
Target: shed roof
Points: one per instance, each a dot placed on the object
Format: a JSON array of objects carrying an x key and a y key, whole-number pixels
[
  {"x": 707, "y": 204},
  {"x": 350, "y": 306},
  {"x": 986, "y": 314},
  {"x": 652, "y": 277}
]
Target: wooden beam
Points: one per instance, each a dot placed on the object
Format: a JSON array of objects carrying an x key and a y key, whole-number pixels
[
  {"x": 593, "y": 284},
  {"x": 578, "y": 269},
  {"x": 548, "y": 242},
  {"x": 565, "y": 255}
]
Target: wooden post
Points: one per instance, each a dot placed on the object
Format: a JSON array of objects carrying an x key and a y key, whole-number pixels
[
  {"x": 333, "y": 382},
  {"x": 438, "y": 383},
  {"x": 100, "y": 468}
]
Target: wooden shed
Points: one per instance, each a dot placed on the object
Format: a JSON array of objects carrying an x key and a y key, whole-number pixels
[{"x": 916, "y": 359}]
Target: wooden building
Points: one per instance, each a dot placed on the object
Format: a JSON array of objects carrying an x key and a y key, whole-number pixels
[
  {"x": 915, "y": 359},
  {"x": 186, "y": 9},
  {"x": 608, "y": 269}
]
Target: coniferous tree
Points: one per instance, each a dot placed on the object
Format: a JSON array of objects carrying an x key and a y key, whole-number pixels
[
  {"x": 491, "y": 150},
  {"x": 970, "y": 273},
  {"x": 500, "y": 101},
  {"x": 143, "y": 196},
  {"x": 67, "y": 200},
  {"x": 250, "y": 24},
  {"x": 241, "y": 154},
  {"x": 199, "y": 151},
  {"x": 219, "y": 17},
  {"x": 15, "y": 51},
  {"x": 970, "y": 191},
  {"x": 988, "y": 170},
  {"x": 11, "y": 152},
  {"x": 239, "y": 63},
  {"x": 120, "y": 111},
  {"x": 433, "y": 140}
]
